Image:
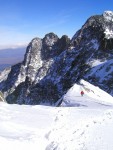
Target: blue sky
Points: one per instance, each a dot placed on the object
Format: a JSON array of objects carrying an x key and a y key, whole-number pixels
[{"x": 22, "y": 20}]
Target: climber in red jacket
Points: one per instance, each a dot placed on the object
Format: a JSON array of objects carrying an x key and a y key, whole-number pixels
[{"x": 82, "y": 93}]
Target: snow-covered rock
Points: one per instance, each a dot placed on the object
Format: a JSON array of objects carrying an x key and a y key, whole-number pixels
[{"x": 108, "y": 15}]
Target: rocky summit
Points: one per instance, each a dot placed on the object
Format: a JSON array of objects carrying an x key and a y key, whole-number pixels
[{"x": 52, "y": 65}]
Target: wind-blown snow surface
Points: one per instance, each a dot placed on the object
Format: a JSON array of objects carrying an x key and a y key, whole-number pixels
[{"x": 88, "y": 125}]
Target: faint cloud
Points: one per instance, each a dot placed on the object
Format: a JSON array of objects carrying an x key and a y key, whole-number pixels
[
  {"x": 2, "y": 47},
  {"x": 60, "y": 22}
]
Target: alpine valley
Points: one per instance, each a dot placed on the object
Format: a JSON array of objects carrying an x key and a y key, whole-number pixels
[{"x": 52, "y": 65}]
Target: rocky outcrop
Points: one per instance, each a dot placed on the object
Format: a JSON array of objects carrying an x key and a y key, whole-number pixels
[
  {"x": 39, "y": 57},
  {"x": 52, "y": 65},
  {"x": 1, "y": 97}
]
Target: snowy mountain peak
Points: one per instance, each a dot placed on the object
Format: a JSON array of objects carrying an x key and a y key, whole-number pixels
[
  {"x": 33, "y": 54},
  {"x": 108, "y": 15},
  {"x": 50, "y": 39},
  {"x": 35, "y": 40}
]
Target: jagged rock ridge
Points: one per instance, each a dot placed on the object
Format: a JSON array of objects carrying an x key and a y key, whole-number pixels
[
  {"x": 40, "y": 55},
  {"x": 52, "y": 65}
]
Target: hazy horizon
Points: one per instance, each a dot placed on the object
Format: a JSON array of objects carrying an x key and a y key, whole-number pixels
[{"x": 11, "y": 56}]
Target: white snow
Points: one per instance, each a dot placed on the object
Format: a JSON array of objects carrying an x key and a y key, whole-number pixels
[
  {"x": 103, "y": 70},
  {"x": 108, "y": 33},
  {"x": 4, "y": 74},
  {"x": 108, "y": 15},
  {"x": 93, "y": 97},
  {"x": 88, "y": 125},
  {"x": 95, "y": 62}
]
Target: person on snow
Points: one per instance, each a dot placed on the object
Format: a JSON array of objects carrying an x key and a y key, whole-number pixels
[{"x": 82, "y": 93}]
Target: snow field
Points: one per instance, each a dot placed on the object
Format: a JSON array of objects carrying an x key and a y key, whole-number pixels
[
  {"x": 60, "y": 128},
  {"x": 80, "y": 123}
]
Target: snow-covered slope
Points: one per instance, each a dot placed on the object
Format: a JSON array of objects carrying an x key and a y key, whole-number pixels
[
  {"x": 93, "y": 96},
  {"x": 82, "y": 127}
]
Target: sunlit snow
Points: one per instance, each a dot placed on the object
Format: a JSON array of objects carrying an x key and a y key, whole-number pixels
[
  {"x": 108, "y": 15},
  {"x": 96, "y": 62},
  {"x": 108, "y": 33},
  {"x": 81, "y": 123}
]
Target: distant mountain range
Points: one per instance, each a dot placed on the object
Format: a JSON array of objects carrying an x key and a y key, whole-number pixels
[
  {"x": 11, "y": 56},
  {"x": 52, "y": 65}
]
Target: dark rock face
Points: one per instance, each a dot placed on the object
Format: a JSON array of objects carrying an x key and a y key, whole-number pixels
[
  {"x": 49, "y": 46},
  {"x": 52, "y": 65},
  {"x": 53, "y": 46}
]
